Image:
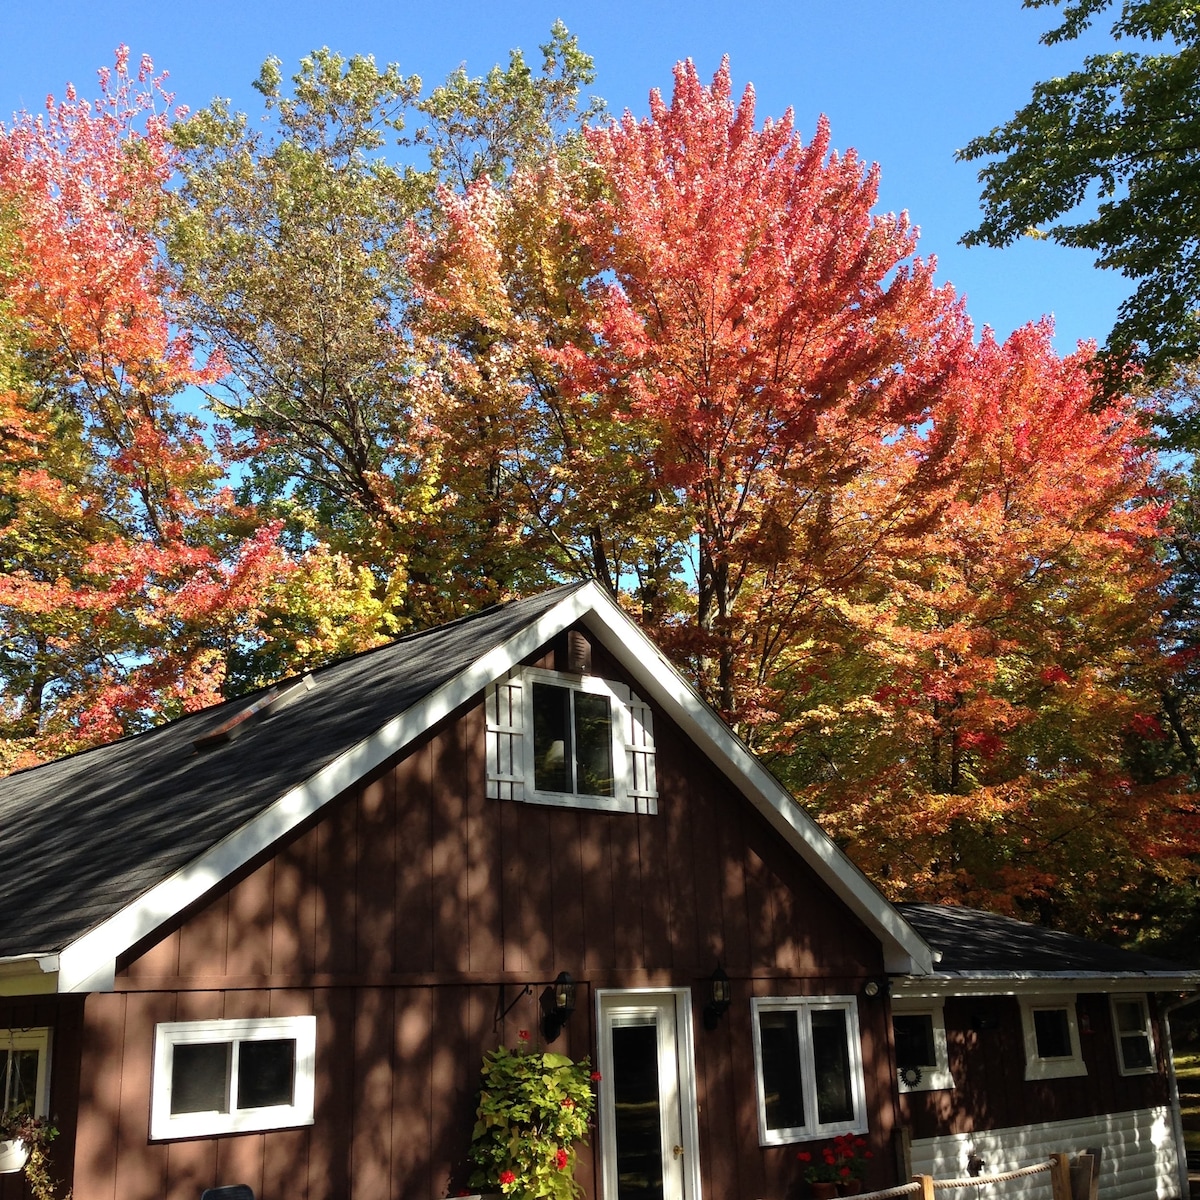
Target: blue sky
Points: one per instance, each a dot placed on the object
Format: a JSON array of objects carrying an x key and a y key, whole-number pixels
[{"x": 905, "y": 84}]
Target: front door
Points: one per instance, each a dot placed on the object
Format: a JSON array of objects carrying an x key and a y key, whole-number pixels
[{"x": 648, "y": 1128}]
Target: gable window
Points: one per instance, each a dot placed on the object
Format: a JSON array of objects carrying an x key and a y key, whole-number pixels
[
  {"x": 1134, "y": 1035},
  {"x": 922, "y": 1063},
  {"x": 24, "y": 1071},
  {"x": 570, "y": 740},
  {"x": 808, "y": 1062},
  {"x": 232, "y": 1076},
  {"x": 1052, "y": 1049}
]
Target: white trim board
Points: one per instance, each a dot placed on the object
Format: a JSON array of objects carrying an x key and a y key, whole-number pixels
[{"x": 89, "y": 962}]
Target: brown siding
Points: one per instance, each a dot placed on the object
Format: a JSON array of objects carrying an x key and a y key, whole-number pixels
[
  {"x": 987, "y": 1059},
  {"x": 413, "y": 911}
]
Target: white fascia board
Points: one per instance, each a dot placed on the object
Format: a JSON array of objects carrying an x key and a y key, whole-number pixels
[
  {"x": 904, "y": 950},
  {"x": 89, "y": 963},
  {"x": 1039, "y": 983}
]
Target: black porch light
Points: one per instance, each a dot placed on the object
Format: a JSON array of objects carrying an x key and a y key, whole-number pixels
[
  {"x": 720, "y": 995},
  {"x": 558, "y": 1003}
]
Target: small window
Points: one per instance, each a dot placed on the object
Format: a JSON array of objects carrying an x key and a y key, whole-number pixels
[
  {"x": 1052, "y": 1049},
  {"x": 809, "y": 1067},
  {"x": 922, "y": 1063},
  {"x": 25, "y": 1071},
  {"x": 1134, "y": 1034},
  {"x": 570, "y": 740},
  {"x": 232, "y": 1076}
]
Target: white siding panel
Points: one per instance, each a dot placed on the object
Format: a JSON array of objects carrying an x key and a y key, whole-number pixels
[{"x": 1139, "y": 1156}]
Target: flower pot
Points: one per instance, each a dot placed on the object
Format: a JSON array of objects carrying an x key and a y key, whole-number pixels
[
  {"x": 850, "y": 1187},
  {"x": 12, "y": 1156},
  {"x": 822, "y": 1190}
]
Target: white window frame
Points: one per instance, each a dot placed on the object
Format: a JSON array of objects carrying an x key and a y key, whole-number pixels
[
  {"x": 1147, "y": 1028},
  {"x": 1060, "y": 1066},
  {"x": 511, "y": 758},
  {"x": 31, "y": 1039},
  {"x": 164, "y": 1126},
  {"x": 934, "y": 1076},
  {"x": 804, "y": 1007}
]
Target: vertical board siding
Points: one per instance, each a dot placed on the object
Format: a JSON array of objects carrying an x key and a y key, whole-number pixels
[{"x": 417, "y": 872}]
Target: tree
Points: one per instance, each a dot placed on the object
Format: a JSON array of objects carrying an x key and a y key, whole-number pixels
[
  {"x": 968, "y": 736},
  {"x": 291, "y": 249},
  {"x": 129, "y": 577},
  {"x": 1123, "y": 131},
  {"x": 777, "y": 336}
]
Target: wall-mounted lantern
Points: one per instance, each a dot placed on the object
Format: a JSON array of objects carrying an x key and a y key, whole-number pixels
[
  {"x": 720, "y": 995},
  {"x": 558, "y": 1003}
]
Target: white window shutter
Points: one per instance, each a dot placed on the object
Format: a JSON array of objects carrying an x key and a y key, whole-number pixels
[
  {"x": 505, "y": 756},
  {"x": 642, "y": 777}
]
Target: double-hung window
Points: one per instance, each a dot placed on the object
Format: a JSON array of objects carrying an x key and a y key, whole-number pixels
[
  {"x": 808, "y": 1062},
  {"x": 1052, "y": 1047},
  {"x": 922, "y": 1062},
  {"x": 1134, "y": 1035},
  {"x": 25, "y": 1071},
  {"x": 232, "y": 1076},
  {"x": 570, "y": 740}
]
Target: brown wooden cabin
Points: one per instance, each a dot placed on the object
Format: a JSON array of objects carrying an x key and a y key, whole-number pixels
[{"x": 268, "y": 944}]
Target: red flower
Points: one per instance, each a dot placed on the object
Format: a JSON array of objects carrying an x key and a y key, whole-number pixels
[
  {"x": 507, "y": 1177},
  {"x": 804, "y": 1156},
  {"x": 844, "y": 1171},
  {"x": 568, "y": 1103},
  {"x": 595, "y": 1076},
  {"x": 560, "y": 1159},
  {"x": 868, "y": 1154},
  {"x": 522, "y": 1035}
]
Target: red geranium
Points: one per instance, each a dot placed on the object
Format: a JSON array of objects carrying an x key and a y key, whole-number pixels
[{"x": 560, "y": 1159}]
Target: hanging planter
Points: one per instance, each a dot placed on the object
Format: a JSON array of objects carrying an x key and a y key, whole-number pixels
[{"x": 13, "y": 1156}]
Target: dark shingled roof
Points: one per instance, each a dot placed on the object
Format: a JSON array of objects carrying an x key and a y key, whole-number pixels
[
  {"x": 982, "y": 944},
  {"x": 82, "y": 837}
]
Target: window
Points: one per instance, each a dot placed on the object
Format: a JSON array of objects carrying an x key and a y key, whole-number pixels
[
  {"x": 922, "y": 1063},
  {"x": 232, "y": 1076},
  {"x": 570, "y": 740},
  {"x": 25, "y": 1071},
  {"x": 1134, "y": 1035},
  {"x": 809, "y": 1065},
  {"x": 1051, "y": 1039}
]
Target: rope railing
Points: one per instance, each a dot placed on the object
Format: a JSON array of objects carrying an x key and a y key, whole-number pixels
[
  {"x": 1057, "y": 1167},
  {"x": 941, "y": 1185}
]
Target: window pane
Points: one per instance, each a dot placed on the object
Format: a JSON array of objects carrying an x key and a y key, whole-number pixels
[
  {"x": 551, "y": 738},
  {"x": 266, "y": 1072},
  {"x": 783, "y": 1097},
  {"x": 593, "y": 737},
  {"x": 18, "y": 1080},
  {"x": 914, "y": 1040},
  {"x": 200, "y": 1077},
  {"x": 636, "y": 1104},
  {"x": 1135, "y": 1052},
  {"x": 1130, "y": 1017},
  {"x": 1053, "y": 1032},
  {"x": 831, "y": 1062}
]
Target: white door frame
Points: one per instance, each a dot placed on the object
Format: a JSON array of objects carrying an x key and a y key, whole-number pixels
[{"x": 675, "y": 1004}]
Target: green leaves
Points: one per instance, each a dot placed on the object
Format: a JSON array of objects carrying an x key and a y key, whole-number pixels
[
  {"x": 1107, "y": 158},
  {"x": 533, "y": 1110}
]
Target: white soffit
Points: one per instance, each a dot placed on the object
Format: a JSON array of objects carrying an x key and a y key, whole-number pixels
[{"x": 89, "y": 962}]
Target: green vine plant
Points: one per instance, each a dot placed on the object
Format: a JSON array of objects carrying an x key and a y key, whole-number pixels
[
  {"x": 534, "y": 1110},
  {"x": 36, "y": 1134}
]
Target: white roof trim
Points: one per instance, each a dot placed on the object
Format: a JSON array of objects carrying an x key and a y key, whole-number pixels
[
  {"x": 89, "y": 962},
  {"x": 1042, "y": 983}
]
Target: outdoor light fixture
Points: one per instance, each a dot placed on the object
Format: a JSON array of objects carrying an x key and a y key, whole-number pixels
[
  {"x": 558, "y": 1003},
  {"x": 720, "y": 994}
]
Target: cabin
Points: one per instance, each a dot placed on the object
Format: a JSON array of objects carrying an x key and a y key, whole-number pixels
[{"x": 269, "y": 943}]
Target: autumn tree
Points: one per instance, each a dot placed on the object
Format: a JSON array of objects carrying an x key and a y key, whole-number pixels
[
  {"x": 291, "y": 249},
  {"x": 968, "y": 736},
  {"x": 129, "y": 577}
]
